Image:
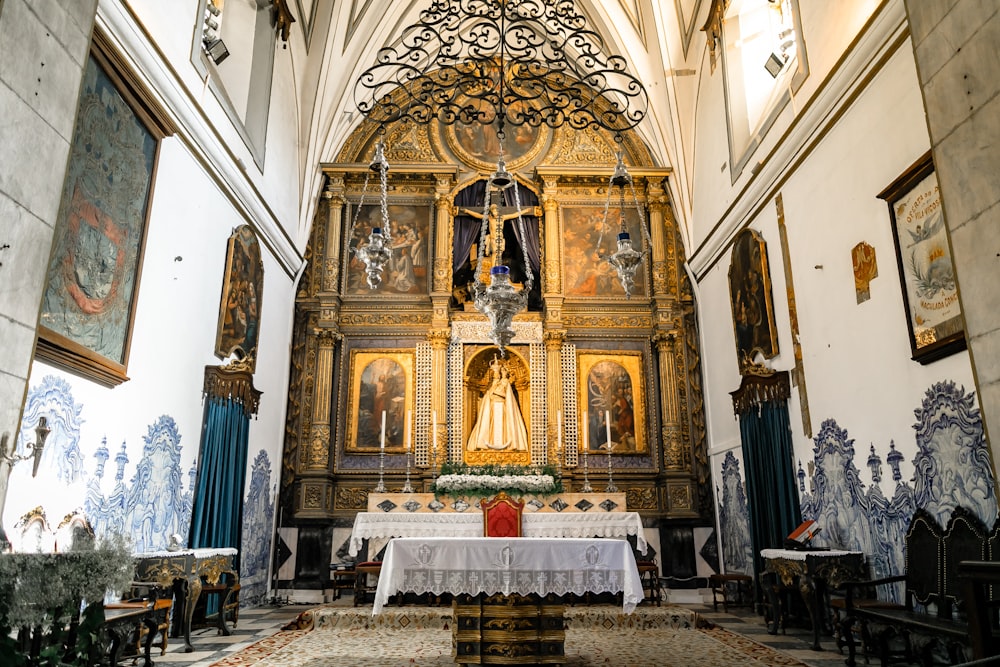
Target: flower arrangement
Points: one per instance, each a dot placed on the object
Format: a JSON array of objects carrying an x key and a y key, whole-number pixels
[{"x": 458, "y": 479}]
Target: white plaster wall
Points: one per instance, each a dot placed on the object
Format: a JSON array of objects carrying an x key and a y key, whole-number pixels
[
  {"x": 856, "y": 356},
  {"x": 172, "y": 341},
  {"x": 716, "y": 186}
]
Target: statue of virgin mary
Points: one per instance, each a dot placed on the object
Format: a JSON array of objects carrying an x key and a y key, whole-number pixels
[{"x": 499, "y": 426}]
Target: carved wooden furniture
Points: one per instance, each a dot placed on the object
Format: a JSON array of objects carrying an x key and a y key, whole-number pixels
[
  {"x": 740, "y": 584},
  {"x": 122, "y": 629},
  {"x": 812, "y": 574},
  {"x": 980, "y": 578},
  {"x": 187, "y": 572},
  {"x": 502, "y": 516},
  {"x": 159, "y": 602},
  {"x": 934, "y": 608},
  {"x": 362, "y": 584}
]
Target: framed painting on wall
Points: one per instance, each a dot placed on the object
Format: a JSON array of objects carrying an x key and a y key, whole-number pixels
[
  {"x": 382, "y": 383},
  {"x": 239, "y": 309},
  {"x": 92, "y": 285},
  {"x": 407, "y": 270},
  {"x": 750, "y": 297},
  {"x": 585, "y": 274},
  {"x": 923, "y": 254},
  {"x": 612, "y": 402}
]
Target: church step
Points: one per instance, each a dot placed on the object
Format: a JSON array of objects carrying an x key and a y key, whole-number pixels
[{"x": 440, "y": 618}]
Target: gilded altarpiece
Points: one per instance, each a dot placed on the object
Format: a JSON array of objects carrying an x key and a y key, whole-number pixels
[{"x": 660, "y": 457}]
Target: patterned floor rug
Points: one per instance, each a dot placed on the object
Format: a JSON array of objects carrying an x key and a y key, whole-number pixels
[{"x": 424, "y": 640}]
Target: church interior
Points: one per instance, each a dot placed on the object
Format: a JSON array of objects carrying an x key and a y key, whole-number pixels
[{"x": 701, "y": 272}]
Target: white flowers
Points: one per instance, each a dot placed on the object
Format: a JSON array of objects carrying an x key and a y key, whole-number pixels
[{"x": 524, "y": 483}]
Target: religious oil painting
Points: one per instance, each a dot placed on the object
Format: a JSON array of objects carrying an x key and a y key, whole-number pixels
[
  {"x": 381, "y": 394},
  {"x": 612, "y": 402},
  {"x": 930, "y": 295},
  {"x": 93, "y": 275},
  {"x": 478, "y": 146},
  {"x": 239, "y": 312},
  {"x": 750, "y": 294},
  {"x": 585, "y": 273},
  {"x": 407, "y": 270}
]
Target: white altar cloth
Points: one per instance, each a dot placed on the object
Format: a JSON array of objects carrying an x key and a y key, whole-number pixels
[
  {"x": 521, "y": 565},
  {"x": 799, "y": 554},
  {"x": 383, "y": 525}
]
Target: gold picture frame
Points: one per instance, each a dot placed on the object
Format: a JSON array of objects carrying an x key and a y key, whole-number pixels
[
  {"x": 934, "y": 317},
  {"x": 92, "y": 282},
  {"x": 750, "y": 297},
  {"x": 612, "y": 384},
  {"x": 380, "y": 380},
  {"x": 240, "y": 307}
]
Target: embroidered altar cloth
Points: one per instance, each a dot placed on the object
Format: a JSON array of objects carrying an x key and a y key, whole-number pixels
[
  {"x": 522, "y": 565},
  {"x": 382, "y": 525}
]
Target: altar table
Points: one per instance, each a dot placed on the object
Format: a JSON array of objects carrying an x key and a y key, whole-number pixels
[
  {"x": 383, "y": 525},
  {"x": 520, "y": 565},
  {"x": 507, "y": 590},
  {"x": 811, "y": 573},
  {"x": 184, "y": 571}
]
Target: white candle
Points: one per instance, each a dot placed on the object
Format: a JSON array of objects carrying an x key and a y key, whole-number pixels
[
  {"x": 586, "y": 443},
  {"x": 607, "y": 424},
  {"x": 383, "y": 430},
  {"x": 407, "y": 430},
  {"x": 558, "y": 431}
]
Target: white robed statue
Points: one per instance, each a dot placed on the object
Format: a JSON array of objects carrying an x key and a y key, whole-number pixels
[{"x": 500, "y": 426}]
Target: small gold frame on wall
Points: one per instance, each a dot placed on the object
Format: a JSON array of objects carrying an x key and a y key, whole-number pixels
[{"x": 381, "y": 380}]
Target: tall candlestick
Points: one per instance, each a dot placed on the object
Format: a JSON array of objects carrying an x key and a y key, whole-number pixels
[
  {"x": 380, "y": 488},
  {"x": 587, "y": 488},
  {"x": 383, "y": 430},
  {"x": 607, "y": 425},
  {"x": 407, "y": 488},
  {"x": 434, "y": 421},
  {"x": 407, "y": 430},
  {"x": 559, "y": 442}
]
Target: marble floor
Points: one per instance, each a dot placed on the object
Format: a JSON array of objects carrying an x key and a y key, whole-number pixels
[{"x": 262, "y": 622}]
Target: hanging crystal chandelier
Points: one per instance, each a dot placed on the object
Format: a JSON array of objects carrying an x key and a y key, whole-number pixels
[
  {"x": 626, "y": 260},
  {"x": 500, "y": 301},
  {"x": 377, "y": 253}
]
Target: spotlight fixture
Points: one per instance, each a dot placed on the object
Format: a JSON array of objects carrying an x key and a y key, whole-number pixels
[
  {"x": 774, "y": 64},
  {"x": 217, "y": 51}
]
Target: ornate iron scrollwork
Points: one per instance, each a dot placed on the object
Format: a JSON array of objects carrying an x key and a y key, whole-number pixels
[{"x": 512, "y": 62}]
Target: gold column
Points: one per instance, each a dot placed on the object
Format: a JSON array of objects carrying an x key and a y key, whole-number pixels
[
  {"x": 552, "y": 270},
  {"x": 554, "y": 389},
  {"x": 439, "y": 340},
  {"x": 335, "y": 194},
  {"x": 673, "y": 450},
  {"x": 441, "y": 286},
  {"x": 314, "y": 498}
]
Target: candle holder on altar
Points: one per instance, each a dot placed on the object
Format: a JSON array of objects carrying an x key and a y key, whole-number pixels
[
  {"x": 381, "y": 471},
  {"x": 611, "y": 488},
  {"x": 587, "y": 488},
  {"x": 406, "y": 487}
]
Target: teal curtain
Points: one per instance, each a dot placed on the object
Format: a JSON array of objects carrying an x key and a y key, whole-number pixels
[
  {"x": 217, "y": 516},
  {"x": 773, "y": 499}
]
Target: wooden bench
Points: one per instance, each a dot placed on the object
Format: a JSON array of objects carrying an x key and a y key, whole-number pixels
[
  {"x": 982, "y": 594},
  {"x": 932, "y": 615}
]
